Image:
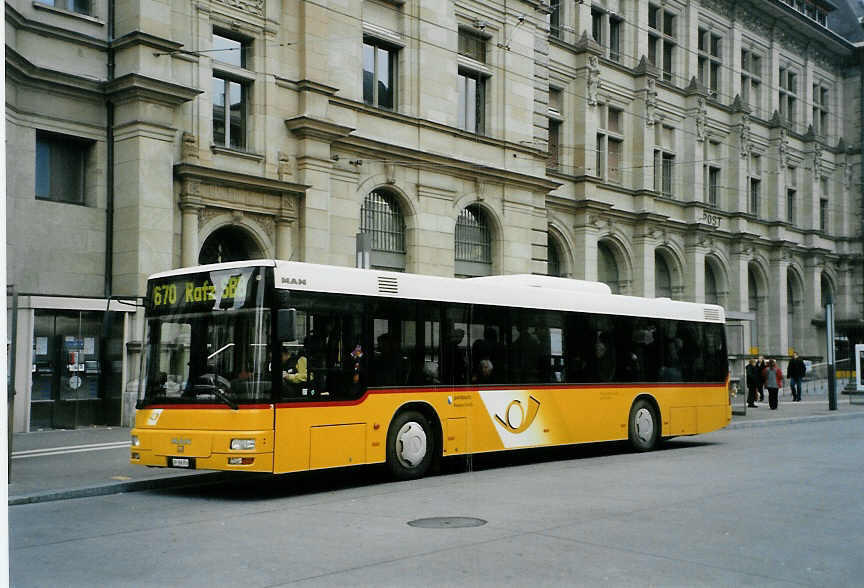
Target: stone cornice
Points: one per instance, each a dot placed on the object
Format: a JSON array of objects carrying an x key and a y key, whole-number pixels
[
  {"x": 317, "y": 87},
  {"x": 140, "y": 38},
  {"x": 20, "y": 70},
  {"x": 222, "y": 177},
  {"x": 20, "y": 22},
  {"x": 406, "y": 156},
  {"x": 317, "y": 128},
  {"x": 137, "y": 87}
]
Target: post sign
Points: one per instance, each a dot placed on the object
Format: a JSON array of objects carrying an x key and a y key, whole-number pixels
[{"x": 859, "y": 364}]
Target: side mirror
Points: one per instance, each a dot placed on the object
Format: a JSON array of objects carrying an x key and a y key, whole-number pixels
[{"x": 285, "y": 327}]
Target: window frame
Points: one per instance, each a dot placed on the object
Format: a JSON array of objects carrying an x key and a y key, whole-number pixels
[
  {"x": 76, "y": 146},
  {"x": 392, "y": 51},
  {"x": 479, "y": 116},
  {"x": 754, "y": 185},
  {"x": 751, "y": 79},
  {"x": 607, "y": 135},
  {"x": 710, "y": 62},
  {"x": 787, "y": 90},
  {"x": 229, "y": 73},
  {"x": 662, "y": 41}
]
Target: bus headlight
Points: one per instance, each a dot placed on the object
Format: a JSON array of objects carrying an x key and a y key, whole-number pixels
[
  {"x": 243, "y": 444},
  {"x": 135, "y": 441}
]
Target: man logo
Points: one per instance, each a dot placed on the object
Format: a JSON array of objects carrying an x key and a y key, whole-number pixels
[
  {"x": 516, "y": 419},
  {"x": 286, "y": 281}
]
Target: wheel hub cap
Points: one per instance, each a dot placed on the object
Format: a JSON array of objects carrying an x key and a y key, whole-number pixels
[
  {"x": 644, "y": 425},
  {"x": 411, "y": 444}
]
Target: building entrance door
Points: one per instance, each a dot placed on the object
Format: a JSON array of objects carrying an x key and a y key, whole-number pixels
[{"x": 72, "y": 370}]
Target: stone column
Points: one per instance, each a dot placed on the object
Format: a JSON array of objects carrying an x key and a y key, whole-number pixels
[
  {"x": 694, "y": 278},
  {"x": 643, "y": 265},
  {"x": 777, "y": 334},
  {"x": 189, "y": 234}
]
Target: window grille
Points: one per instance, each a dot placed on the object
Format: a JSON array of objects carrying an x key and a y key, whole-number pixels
[
  {"x": 473, "y": 238},
  {"x": 381, "y": 218}
]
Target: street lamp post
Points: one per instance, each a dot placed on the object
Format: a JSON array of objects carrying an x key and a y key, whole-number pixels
[{"x": 832, "y": 373}]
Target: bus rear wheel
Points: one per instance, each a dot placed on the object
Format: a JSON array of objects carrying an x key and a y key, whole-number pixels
[
  {"x": 410, "y": 444},
  {"x": 644, "y": 426}
]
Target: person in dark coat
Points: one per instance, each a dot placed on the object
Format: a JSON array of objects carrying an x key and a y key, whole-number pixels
[
  {"x": 773, "y": 377},
  {"x": 795, "y": 372},
  {"x": 753, "y": 377},
  {"x": 761, "y": 364}
]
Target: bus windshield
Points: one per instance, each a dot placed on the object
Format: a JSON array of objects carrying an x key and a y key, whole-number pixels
[{"x": 207, "y": 338}]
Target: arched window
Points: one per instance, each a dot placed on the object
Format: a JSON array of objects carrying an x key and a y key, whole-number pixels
[
  {"x": 827, "y": 290},
  {"x": 473, "y": 243},
  {"x": 712, "y": 296},
  {"x": 553, "y": 259},
  {"x": 381, "y": 219},
  {"x": 662, "y": 277},
  {"x": 607, "y": 268},
  {"x": 793, "y": 312},
  {"x": 229, "y": 244}
]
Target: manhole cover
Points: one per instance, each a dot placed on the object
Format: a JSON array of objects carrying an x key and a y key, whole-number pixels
[{"x": 447, "y": 522}]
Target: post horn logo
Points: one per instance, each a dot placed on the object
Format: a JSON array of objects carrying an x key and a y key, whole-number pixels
[{"x": 516, "y": 418}]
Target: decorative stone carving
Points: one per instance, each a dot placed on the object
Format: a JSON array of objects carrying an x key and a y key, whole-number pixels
[
  {"x": 782, "y": 149},
  {"x": 390, "y": 173},
  {"x": 817, "y": 159},
  {"x": 592, "y": 81},
  {"x": 286, "y": 166},
  {"x": 744, "y": 143},
  {"x": 651, "y": 102},
  {"x": 189, "y": 148},
  {"x": 701, "y": 119},
  {"x": 255, "y": 7}
]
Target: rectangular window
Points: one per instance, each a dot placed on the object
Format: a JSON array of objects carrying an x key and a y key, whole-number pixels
[
  {"x": 597, "y": 25},
  {"x": 554, "y": 144},
  {"x": 555, "y": 20},
  {"x": 230, "y": 109},
  {"x": 661, "y": 37},
  {"x": 709, "y": 60},
  {"x": 60, "y": 167},
  {"x": 614, "y": 39},
  {"x": 820, "y": 109},
  {"x": 823, "y": 215},
  {"x": 755, "y": 195},
  {"x": 600, "y": 163},
  {"x": 751, "y": 80},
  {"x": 713, "y": 185},
  {"x": 614, "y": 160},
  {"x": 379, "y": 74},
  {"x": 77, "y": 6},
  {"x": 791, "y": 205},
  {"x": 472, "y": 101},
  {"x": 233, "y": 51},
  {"x": 788, "y": 94},
  {"x": 609, "y": 144},
  {"x": 472, "y": 45}
]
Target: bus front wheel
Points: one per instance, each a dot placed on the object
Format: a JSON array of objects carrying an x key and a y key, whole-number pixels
[
  {"x": 410, "y": 443},
  {"x": 644, "y": 426}
]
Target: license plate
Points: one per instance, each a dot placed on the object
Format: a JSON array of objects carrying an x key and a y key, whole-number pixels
[{"x": 181, "y": 462}]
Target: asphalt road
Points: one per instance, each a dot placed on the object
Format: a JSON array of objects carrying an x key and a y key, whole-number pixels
[{"x": 772, "y": 506}]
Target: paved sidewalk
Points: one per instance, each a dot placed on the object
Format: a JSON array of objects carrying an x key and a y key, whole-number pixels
[{"x": 64, "y": 464}]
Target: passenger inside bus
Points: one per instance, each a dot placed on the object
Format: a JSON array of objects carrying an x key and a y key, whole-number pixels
[{"x": 294, "y": 373}]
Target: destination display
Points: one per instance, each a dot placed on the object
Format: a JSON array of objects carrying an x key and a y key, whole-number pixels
[{"x": 209, "y": 291}]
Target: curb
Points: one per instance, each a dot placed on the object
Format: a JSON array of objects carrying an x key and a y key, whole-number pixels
[
  {"x": 206, "y": 478},
  {"x": 791, "y": 420},
  {"x": 196, "y": 479}
]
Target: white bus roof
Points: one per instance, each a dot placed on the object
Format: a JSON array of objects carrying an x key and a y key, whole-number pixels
[{"x": 519, "y": 290}]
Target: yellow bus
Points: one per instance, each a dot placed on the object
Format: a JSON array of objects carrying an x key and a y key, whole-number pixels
[{"x": 275, "y": 366}]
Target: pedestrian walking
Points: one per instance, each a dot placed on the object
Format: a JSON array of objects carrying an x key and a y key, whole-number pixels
[
  {"x": 795, "y": 373},
  {"x": 753, "y": 377},
  {"x": 761, "y": 364},
  {"x": 773, "y": 379}
]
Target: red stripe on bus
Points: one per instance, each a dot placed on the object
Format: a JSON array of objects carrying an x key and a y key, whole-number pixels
[
  {"x": 451, "y": 390},
  {"x": 208, "y": 406}
]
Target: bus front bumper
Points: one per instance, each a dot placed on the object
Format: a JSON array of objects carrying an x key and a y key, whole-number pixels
[{"x": 250, "y": 451}]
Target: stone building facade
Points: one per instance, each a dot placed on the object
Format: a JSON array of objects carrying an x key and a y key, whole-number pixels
[{"x": 702, "y": 150}]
